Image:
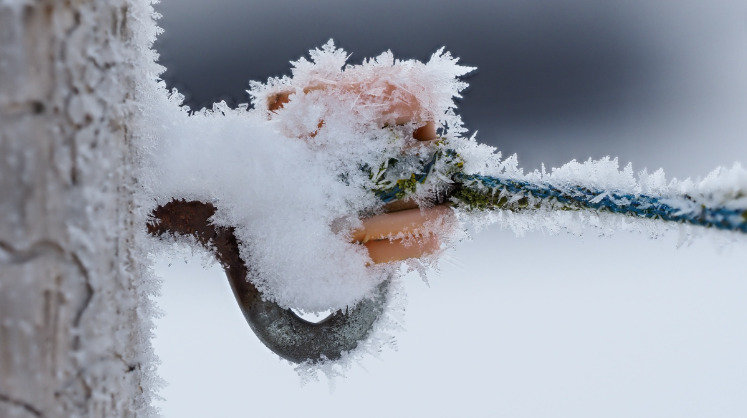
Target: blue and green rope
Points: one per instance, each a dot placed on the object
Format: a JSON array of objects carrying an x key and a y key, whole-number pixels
[{"x": 480, "y": 192}]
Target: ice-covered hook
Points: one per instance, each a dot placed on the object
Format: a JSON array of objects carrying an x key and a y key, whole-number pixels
[{"x": 281, "y": 330}]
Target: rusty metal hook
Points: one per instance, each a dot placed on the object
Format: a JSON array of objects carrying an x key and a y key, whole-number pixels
[{"x": 281, "y": 330}]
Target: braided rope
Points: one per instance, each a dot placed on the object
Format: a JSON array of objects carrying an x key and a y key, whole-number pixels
[
  {"x": 475, "y": 191},
  {"x": 512, "y": 194}
]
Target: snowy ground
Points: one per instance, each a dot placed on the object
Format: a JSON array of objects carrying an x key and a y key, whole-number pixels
[{"x": 540, "y": 326}]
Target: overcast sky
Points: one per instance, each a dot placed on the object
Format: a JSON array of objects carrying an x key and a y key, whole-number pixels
[{"x": 533, "y": 326}]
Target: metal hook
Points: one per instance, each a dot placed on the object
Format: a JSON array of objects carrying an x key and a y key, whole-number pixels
[{"x": 281, "y": 330}]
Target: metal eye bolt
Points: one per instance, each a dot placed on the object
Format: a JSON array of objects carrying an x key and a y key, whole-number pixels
[{"x": 280, "y": 329}]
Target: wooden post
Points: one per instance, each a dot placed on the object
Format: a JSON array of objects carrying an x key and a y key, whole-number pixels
[{"x": 74, "y": 336}]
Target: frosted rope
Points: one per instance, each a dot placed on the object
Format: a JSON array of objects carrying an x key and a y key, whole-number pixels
[
  {"x": 475, "y": 191},
  {"x": 682, "y": 209}
]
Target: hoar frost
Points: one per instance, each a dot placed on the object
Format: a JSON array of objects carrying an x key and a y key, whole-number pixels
[
  {"x": 295, "y": 173},
  {"x": 291, "y": 181}
]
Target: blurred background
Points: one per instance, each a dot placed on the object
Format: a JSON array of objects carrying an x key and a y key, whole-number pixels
[{"x": 511, "y": 326}]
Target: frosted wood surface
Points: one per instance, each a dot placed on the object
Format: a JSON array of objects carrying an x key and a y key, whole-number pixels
[{"x": 71, "y": 338}]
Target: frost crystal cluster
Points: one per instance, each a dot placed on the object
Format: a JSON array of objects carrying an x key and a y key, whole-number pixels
[{"x": 294, "y": 181}]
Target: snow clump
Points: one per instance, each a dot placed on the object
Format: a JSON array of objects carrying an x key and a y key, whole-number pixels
[{"x": 290, "y": 179}]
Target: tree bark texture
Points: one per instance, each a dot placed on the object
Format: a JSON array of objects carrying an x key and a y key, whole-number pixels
[{"x": 74, "y": 331}]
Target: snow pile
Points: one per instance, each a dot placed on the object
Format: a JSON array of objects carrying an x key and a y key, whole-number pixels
[{"x": 292, "y": 179}]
